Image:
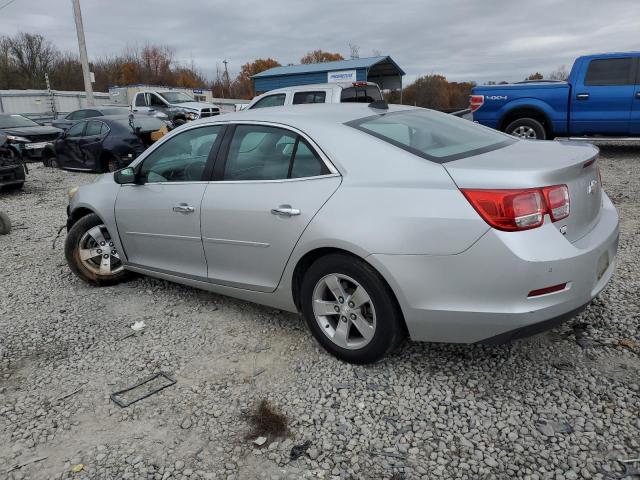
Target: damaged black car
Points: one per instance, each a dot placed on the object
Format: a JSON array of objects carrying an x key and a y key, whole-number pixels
[
  {"x": 104, "y": 144},
  {"x": 12, "y": 169},
  {"x": 25, "y": 138}
]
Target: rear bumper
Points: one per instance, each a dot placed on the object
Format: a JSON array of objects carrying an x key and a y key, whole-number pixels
[{"x": 482, "y": 294}]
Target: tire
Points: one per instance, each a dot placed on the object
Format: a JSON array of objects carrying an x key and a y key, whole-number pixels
[
  {"x": 178, "y": 122},
  {"x": 527, "y": 128},
  {"x": 110, "y": 164},
  {"x": 46, "y": 158},
  {"x": 54, "y": 162},
  {"x": 5, "y": 224},
  {"x": 89, "y": 235},
  {"x": 379, "y": 318}
]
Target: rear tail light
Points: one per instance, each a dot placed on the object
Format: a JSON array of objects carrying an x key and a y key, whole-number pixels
[
  {"x": 514, "y": 210},
  {"x": 475, "y": 102},
  {"x": 360, "y": 84},
  {"x": 557, "y": 198}
]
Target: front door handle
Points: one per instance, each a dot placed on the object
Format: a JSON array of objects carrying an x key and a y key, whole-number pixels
[
  {"x": 582, "y": 96},
  {"x": 184, "y": 208},
  {"x": 285, "y": 211}
]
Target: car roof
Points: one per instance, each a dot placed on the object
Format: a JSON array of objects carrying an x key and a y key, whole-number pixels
[
  {"x": 306, "y": 114},
  {"x": 312, "y": 86}
]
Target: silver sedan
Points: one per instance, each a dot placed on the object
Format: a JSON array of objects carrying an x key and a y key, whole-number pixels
[{"x": 372, "y": 222}]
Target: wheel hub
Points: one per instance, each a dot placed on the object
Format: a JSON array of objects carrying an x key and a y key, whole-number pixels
[
  {"x": 344, "y": 311},
  {"x": 98, "y": 253}
]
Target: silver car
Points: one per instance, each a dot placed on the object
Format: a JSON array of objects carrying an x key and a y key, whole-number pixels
[{"x": 372, "y": 222}]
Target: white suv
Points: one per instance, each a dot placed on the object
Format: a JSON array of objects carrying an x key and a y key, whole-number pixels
[{"x": 360, "y": 92}]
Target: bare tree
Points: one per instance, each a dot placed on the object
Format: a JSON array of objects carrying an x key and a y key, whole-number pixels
[
  {"x": 32, "y": 56},
  {"x": 559, "y": 74}
]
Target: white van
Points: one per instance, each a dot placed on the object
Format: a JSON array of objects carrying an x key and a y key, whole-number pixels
[{"x": 360, "y": 92}]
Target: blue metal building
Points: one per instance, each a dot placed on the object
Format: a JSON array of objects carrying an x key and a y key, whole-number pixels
[{"x": 381, "y": 70}]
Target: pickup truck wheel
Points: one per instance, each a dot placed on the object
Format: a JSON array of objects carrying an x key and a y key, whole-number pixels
[{"x": 527, "y": 128}]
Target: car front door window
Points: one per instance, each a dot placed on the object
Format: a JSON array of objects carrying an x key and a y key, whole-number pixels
[{"x": 181, "y": 158}]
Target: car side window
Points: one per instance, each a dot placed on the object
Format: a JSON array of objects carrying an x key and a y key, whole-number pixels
[
  {"x": 309, "y": 97},
  {"x": 94, "y": 128},
  {"x": 140, "y": 101},
  {"x": 181, "y": 158},
  {"x": 276, "y": 100},
  {"x": 73, "y": 115},
  {"x": 267, "y": 153},
  {"x": 610, "y": 71},
  {"x": 154, "y": 101},
  {"x": 76, "y": 130}
]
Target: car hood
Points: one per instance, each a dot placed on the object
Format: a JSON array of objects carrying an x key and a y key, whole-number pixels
[
  {"x": 194, "y": 105},
  {"x": 28, "y": 131}
]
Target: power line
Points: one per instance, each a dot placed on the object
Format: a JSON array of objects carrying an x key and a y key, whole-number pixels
[{"x": 7, "y": 4}]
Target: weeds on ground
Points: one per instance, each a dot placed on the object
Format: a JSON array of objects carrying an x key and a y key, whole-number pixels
[{"x": 266, "y": 421}]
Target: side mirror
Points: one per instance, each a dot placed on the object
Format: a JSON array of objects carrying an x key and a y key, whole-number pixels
[{"x": 125, "y": 176}]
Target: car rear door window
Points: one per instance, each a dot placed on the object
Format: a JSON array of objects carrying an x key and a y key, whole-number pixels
[
  {"x": 610, "y": 71},
  {"x": 271, "y": 101},
  {"x": 140, "y": 100},
  {"x": 309, "y": 97},
  {"x": 182, "y": 158},
  {"x": 76, "y": 130},
  {"x": 258, "y": 152},
  {"x": 93, "y": 129}
]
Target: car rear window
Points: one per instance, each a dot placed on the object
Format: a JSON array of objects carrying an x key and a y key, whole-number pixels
[
  {"x": 360, "y": 94},
  {"x": 436, "y": 136}
]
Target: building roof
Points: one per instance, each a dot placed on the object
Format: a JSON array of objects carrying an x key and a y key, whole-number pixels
[{"x": 354, "y": 63}]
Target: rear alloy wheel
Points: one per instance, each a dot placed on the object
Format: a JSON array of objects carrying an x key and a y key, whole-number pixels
[
  {"x": 527, "y": 128},
  {"x": 350, "y": 310},
  {"x": 92, "y": 254}
]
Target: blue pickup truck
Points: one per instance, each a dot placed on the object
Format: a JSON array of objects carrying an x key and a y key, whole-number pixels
[{"x": 600, "y": 99}]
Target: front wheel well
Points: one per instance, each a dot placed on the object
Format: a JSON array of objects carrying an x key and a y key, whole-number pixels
[
  {"x": 310, "y": 257},
  {"x": 527, "y": 112},
  {"x": 79, "y": 213}
]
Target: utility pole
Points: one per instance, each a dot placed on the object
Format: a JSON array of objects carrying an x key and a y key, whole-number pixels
[
  {"x": 226, "y": 76},
  {"x": 84, "y": 60}
]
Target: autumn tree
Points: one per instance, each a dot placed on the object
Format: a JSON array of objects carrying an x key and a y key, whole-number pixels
[
  {"x": 435, "y": 91},
  {"x": 535, "y": 76},
  {"x": 242, "y": 86},
  {"x": 319, "y": 56}
]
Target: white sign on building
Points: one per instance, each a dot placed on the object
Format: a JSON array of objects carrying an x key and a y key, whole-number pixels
[{"x": 341, "y": 76}]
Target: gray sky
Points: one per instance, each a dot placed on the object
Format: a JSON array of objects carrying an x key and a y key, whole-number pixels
[{"x": 463, "y": 39}]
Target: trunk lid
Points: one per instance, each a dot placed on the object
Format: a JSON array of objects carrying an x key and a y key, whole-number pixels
[{"x": 530, "y": 164}]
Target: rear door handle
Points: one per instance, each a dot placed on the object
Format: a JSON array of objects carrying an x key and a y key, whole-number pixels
[
  {"x": 184, "y": 208},
  {"x": 285, "y": 211},
  {"x": 582, "y": 96}
]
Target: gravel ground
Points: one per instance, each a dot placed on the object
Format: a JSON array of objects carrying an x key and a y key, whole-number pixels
[{"x": 562, "y": 405}]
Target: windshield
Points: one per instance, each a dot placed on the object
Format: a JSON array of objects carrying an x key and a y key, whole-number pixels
[
  {"x": 436, "y": 136},
  {"x": 13, "y": 121},
  {"x": 176, "y": 97}
]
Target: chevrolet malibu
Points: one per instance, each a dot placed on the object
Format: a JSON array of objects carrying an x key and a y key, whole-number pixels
[{"x": 372, "y": 221}]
